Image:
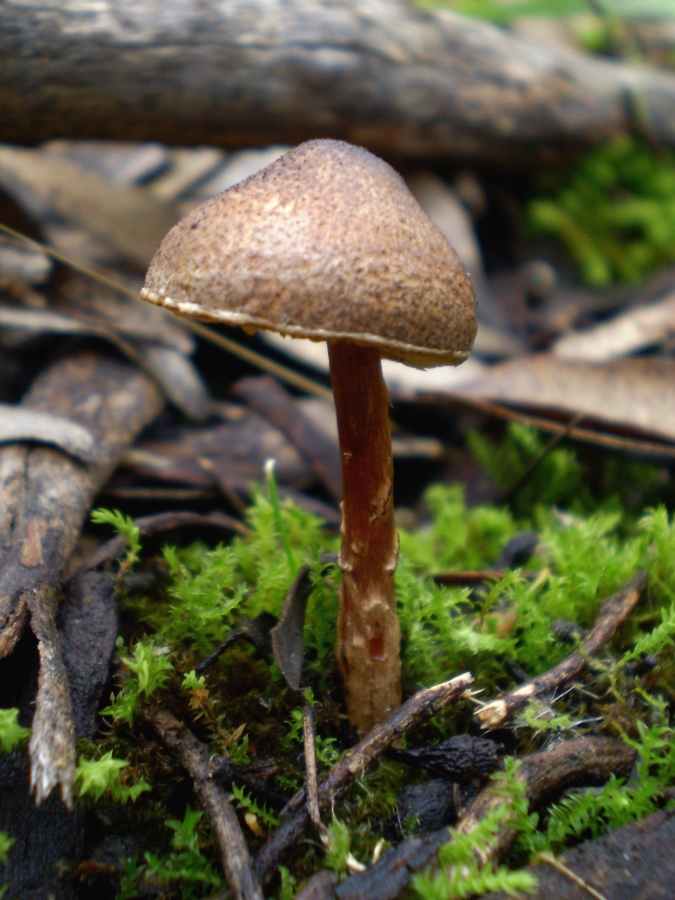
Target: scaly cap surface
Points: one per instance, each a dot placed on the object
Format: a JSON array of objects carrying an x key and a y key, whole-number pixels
[{"x": 326, "y": 243}]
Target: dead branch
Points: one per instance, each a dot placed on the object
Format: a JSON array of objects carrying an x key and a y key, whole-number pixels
[
  {"x": 196, "y": 760},
  {"x": 403, "y": 81},
  {"x": 44, "y": 498},
  {"x": 577, "y": 763},
  {"x": 355, "y": 762},
  {"x": 613, "y": 612}
]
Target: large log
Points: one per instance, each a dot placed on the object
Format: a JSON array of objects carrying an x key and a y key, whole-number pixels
[{"x": 403, "y": 81}]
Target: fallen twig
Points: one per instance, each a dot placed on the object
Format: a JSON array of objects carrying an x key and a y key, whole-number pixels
[
  {"x": 613, "y": 612},
  {"x": 467, "y": 577},
  {"x": 309, "y": 742},
  {"x": 196, "y": 760},
  {"x": 355, "y": 762},
  {"x": 568, "y": 873},
  {"x": 510, "y": 492},
  {"x": 149, "y": 526},
  {"x": 577, "y": 763},
  {"x": 256, "y": 631}
]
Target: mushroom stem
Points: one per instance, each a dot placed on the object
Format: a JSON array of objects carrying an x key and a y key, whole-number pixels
[{"x": 368, "y": 642}]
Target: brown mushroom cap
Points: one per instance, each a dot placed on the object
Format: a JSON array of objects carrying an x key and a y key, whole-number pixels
[{"x": 326, "y": 243}]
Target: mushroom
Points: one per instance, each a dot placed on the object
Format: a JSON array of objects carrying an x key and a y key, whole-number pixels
[{"x": 327, "y": 243}]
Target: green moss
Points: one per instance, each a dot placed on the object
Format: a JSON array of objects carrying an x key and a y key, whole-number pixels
[
  {"x": 513, "y": 9},
  {"x": 615, "y": 212},
  {"x": 590, "y": 546},
  {"x": 11, "y": 733}
]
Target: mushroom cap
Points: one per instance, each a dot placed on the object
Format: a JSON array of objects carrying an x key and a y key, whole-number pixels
[{"x": 326, "y": 243}]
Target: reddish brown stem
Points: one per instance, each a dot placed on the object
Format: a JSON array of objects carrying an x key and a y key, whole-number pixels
[{"x": 368, "y": 644}]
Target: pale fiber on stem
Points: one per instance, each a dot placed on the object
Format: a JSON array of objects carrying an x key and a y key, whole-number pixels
[{"x": 368, "y": 637}]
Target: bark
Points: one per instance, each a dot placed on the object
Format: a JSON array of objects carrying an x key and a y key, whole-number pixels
[
  {"x": 49, "y": 840},
  {"x": 44, "y": 498},
  {"x": 636, "y": 862},
  {"x": 403, "y": 81}
]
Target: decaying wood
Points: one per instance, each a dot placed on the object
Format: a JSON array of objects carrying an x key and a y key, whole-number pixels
[
  {"x": 458, "y": 759},
  {"x": 50, "y": 838},
  {"x": 400, "y": 80},
  {"x": 636, "y": 862},
  {"x": 355, "y": 762},
  {"x": 613, "y": 613},
  {"x": 45, "y": 496},
  {"x": 430, "y": 806},
  {"x": 578, "y": 763},
  {"x": 196, "y": 759}
]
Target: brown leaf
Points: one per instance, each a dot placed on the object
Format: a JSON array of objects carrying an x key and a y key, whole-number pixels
[
  {"x": 179, "y": 379},
  {"x": 23, "y": 265},
  {"x": 129, "y": 219},
  {"x": 641, "y": 327},
  {"x": 287, "y": 640},
  {"x": 635, "y": 393},
  {"x": 100, "y": 305}
]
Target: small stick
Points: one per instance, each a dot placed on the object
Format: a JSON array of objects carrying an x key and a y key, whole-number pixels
[
  {"x": 309, "y": 736},
  {"x": 561, "y": 867},
  {"x": 149, "y": 526},
  {"x": 354, "y": 763},
  {"x": 467, "y": 577},
  {"x": 577, "y": 763},
  {"x": 590, "y": 435},
  {"x": 215, "y": 656},
  {"x": 196, "y": 760},
  {"x": 613, "y": 612}
]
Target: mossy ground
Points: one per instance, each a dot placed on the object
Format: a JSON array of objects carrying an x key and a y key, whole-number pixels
[{"x": 591, "y": 542}]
